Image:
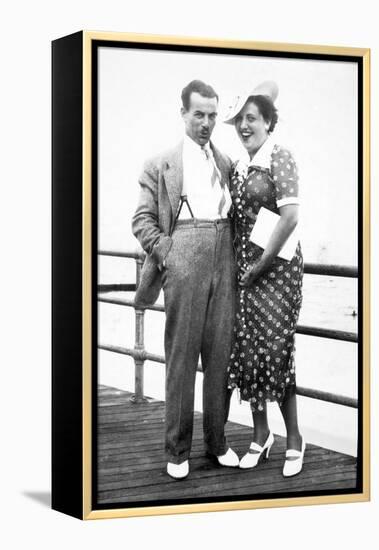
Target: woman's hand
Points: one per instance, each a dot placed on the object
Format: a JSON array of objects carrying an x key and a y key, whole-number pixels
[
  {"x": 284, "y": 227},
  {"x": 250, "y": 274}
]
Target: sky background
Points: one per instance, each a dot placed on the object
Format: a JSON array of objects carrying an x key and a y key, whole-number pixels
[{"x": 139, "y": 116}]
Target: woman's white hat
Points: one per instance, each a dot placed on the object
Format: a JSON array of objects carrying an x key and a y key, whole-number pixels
[{"x": 268, "y": 88}]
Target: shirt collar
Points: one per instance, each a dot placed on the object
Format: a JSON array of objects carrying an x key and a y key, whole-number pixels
[{"x": 192, "y": 147}]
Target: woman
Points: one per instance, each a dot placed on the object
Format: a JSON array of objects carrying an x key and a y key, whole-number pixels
[{"x": 269, "y": 296}]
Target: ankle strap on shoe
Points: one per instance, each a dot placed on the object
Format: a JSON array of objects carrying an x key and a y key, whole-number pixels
[
  {"x": 255, "y": 447},
  {"x": 293, "y": 453}
]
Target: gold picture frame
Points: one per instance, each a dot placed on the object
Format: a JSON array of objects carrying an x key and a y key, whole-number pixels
[{"x": 75, "y": 81}]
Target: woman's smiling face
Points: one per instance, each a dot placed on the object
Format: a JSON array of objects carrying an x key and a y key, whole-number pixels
[{"x": 251, "y": 127}]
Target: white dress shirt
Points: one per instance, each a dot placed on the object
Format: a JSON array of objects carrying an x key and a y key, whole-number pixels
[{"x": 203, "y": 197}]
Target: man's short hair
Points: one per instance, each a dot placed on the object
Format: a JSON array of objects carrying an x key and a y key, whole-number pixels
[{"x": 196, "y": 86}]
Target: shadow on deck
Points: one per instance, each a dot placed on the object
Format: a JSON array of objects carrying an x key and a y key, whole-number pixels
[{"x": 132, "y": 466}]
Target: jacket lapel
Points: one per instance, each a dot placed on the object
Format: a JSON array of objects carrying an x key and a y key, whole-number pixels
[
  {"x": 222, "y": 166},
  {"x": 173, "y": 176}
]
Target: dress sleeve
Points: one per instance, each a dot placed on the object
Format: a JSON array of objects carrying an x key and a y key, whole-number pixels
[{"x": 285, "y": 177}]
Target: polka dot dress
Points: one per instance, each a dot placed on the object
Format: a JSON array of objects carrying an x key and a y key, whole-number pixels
[{"x": 262, "y": 362}]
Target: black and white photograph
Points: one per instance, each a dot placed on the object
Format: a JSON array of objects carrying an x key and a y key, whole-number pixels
[
  {"x": 190, "y": 229},
  {"x": 229, "y": 266}
]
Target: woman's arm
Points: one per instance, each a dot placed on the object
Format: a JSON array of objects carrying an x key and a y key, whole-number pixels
[{"x": 286, "y": 224}]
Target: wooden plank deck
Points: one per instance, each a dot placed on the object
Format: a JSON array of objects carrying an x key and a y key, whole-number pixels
[{"x": 132, "y": 466}]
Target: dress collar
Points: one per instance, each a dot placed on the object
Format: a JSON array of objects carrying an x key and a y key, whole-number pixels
[{"x": 262, "y": 157}]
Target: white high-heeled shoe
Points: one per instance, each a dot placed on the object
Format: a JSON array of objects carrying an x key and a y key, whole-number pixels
[
  {"x": 294, "y": 461},
  {"x": 255, "y": 452}
]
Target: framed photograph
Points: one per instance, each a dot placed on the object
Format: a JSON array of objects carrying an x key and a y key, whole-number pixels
[{"x": 210, "y": 275}]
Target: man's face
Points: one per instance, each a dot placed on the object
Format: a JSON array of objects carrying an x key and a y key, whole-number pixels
[{"x": 200, "y": 118}]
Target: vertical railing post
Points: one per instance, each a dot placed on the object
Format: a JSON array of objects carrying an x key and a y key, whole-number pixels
[{"x": 139, "y": 344}]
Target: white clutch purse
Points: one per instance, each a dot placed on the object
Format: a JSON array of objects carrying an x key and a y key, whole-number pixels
[{"x": 263, "y": 228}]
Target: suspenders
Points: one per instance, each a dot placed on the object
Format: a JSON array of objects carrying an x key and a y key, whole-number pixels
[{"x": 183, "y": 200}]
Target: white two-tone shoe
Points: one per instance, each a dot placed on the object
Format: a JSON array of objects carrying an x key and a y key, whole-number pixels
[
  {"x": 230, "y": 458},
  {"x": 294, "y": 461},
  {"x": 256, "y": 453},
  {"x": 178, "y": 471}
]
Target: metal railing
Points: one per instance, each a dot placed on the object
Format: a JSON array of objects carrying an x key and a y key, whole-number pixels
[{"x": 140, "y": 355}]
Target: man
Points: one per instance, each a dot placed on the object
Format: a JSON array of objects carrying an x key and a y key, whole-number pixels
[{"x": 181, "y": 222}]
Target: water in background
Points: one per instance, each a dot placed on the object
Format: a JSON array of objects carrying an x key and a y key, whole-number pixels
[{"x": 328, "y": 302}]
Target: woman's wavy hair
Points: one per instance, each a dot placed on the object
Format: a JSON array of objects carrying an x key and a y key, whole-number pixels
[{"x": 266, "y": 108}]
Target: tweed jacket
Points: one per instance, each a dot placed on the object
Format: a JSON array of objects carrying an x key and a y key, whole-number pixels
[{"x": 161, "y": 184}]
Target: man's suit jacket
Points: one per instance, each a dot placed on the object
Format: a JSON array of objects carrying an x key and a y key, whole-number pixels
[{"x": 161, "y": 185}]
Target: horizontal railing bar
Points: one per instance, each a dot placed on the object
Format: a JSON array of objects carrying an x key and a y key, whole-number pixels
[
  {"x": 125, "y": 302},
  {"x": 140, "y": 355},
  {"x": 301, "y": 329},
  {"x": 327, "y": 333},
  {"x": 116, "y": 287},
  {"x": 331, "y": 270},
  {"x": 305, "y": 392},
  {"x": 122, "y": 254},
  {"x": 328, "y": 396}
]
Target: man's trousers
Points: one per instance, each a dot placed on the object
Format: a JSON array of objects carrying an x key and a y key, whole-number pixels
[{"x": 199, "y": 294}]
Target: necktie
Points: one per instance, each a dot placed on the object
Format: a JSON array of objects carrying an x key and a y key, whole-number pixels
[{"x": 216, "y": 176}]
